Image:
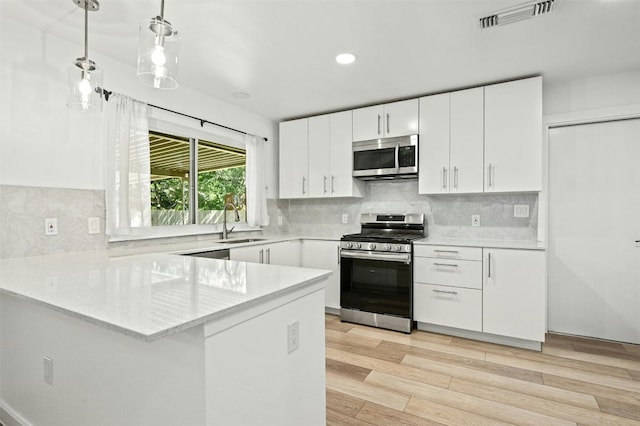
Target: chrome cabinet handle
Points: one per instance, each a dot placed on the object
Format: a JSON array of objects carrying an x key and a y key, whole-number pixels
[
  {"x": 324, "y": 184},
  {"x": 303, "y": 181},
  {"x": 388, "y": 128},
  {"x": 332, "y": 180},
  {"x": 455, "y": 177},
  {"x": 379, "y": 118},
  {"x": 453, "y": 265},
  {"x": 338, "y": 253},
  {"x": 261, "y": 256},
  {"x": 268, "y": 256},
  {"x": 444, "y": 178},
  {"x": 446, "y": 292},
  {"x": 489, "y": 179},
  {"x": 446, "y": 251},
  {"x": 489, "y": 265}
]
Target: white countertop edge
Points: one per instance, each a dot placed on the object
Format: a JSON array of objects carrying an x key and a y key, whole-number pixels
[
  {"x": 179, "y": 327},
  {"x": 463, "y": 242}
]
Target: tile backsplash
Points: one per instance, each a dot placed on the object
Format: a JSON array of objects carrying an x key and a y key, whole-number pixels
[
  {"x": 23, "y": 210},
  {"x": 448, "y": 215}
]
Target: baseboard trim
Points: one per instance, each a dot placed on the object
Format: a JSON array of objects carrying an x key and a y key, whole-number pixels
[{"x": 484, "y": 337}]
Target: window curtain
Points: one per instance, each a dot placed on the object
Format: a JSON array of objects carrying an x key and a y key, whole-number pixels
[
  {"x": 255, "y": 182},
  {"x": 128, "y": 180}
]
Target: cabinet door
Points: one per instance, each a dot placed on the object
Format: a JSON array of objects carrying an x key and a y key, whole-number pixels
[
  {"x": 513, "y": 136},
  {"x": 294, "y": 153},
  {"x": 319, "y": 148},
  {"x": 341, "y": 181},
  {"x": 368, "y": 123},
  {"x": 401, "y": 118},
  {"x": 513, "y": 293},
  {"x": 448, "y": 306},
  {"x": 467, "y": 137},
  {"x": 246, "y": 254},
  {"x": 433, "y": 163},
  {"x": 286, "y": 253},
  {"x": 324, "y": 255}
]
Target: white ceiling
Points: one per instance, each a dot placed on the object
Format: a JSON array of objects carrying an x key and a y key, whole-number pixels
[{"x": 282, "y": 52}]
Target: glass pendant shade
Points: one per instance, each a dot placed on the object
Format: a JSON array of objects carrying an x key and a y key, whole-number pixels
[
  {"x": 158, "y": 48},
  {"x": 84, "y": 81}
]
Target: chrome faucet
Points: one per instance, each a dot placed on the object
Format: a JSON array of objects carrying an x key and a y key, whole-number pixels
[{"x": 225, "y": 231}]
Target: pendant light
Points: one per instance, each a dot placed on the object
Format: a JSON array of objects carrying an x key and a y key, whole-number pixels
[
  {"x": 158, "y": 47},
  {"x": 84, "y": 77}
]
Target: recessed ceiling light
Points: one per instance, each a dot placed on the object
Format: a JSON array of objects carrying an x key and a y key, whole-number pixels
[
  {"x": 345, "y": 58},
  {"x": 241, "y": 95}
]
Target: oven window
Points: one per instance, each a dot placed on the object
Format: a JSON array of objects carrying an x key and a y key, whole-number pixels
[
  {"x": 374, "y": 159},
  {"x": 376, "y": 286}
]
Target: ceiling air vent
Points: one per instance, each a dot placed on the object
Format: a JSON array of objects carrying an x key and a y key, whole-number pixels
[{"x": 517, "y": 13}]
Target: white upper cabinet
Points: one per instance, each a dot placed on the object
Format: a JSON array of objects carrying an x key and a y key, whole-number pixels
[
  {"x": 294, "y": 152},
  {"x": 467, "y": 134},
  {"x": 319, "y": 156},
  {"x": 513, "y": 136},
  {"x": 451, "y": 142},
  {"x": 323, "y": 166},
  {"x": 387, "y": 120},
  {"x": 340, "y": 180},
  {"x": 433, "y": 163}
]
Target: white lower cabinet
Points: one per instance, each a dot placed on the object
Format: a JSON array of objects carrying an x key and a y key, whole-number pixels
[
  {"x": 498, "y": 292},
  {"x": 514, "y": 293},
  {"x": 449, "y": 306},
  {"x": 448, "y": 286},
  {"x": 322, "y": 254},
  {"x": 286, "y": 253}
]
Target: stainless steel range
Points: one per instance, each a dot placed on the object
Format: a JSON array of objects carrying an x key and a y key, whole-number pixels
[{"x": 376, "y": 271}]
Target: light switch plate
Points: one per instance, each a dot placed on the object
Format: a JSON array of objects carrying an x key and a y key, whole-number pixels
[
  {"x": 521, "y": 210},
  {"x": 94, "y": 225}
]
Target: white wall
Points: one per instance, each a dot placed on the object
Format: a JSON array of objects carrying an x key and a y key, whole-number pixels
[
  {"x": 607, "y": 91},
  {"x": 43, "y": 143}
]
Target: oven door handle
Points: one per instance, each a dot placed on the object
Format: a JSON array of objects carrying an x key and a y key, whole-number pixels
[{"x": 369, "y": 255}]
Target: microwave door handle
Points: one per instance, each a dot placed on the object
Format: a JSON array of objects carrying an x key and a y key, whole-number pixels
[{"x": 397, "y": 157}]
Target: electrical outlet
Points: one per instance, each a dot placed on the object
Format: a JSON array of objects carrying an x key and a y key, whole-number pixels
[
  {"x": 475, "y": 220},
  {"x": 94, "y": 225},
  {"x": 345, "y": 218},
  {"x": 521, "y": 210},
  {"x": 51, "y": 226},
  {"x": 293, "y": 337},
  {"x": 48, "y": 370}
]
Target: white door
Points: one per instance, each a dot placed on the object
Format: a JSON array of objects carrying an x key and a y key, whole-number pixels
[
  {"x": 341, "y": 182},
  {"x": 294, "y": 153},
  {"x": 467, "y": 137},
  {"x": 594, "y": 226},
  {"x": 433, "y": 150},
  {"x": 325, "y": 255},
  {"x": 367, "y": 123},
  {"x": 401, "y": 118},
  {"x": 319, "y": 146}
]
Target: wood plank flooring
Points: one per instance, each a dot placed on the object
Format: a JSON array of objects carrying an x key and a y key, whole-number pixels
[{"x": 379, "y": 377}]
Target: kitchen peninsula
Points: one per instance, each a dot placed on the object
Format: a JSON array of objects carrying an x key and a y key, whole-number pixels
[{"x": 160, "y": 339}]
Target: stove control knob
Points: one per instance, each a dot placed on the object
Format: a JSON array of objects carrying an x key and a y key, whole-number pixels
[
  {"x": 357, "y": 245},
  {"x": 397, "y": 247},
  {"x": 372, "y": 246},
  {"x": 387, "y": 247},
  {"x": 348, "y": 245}
]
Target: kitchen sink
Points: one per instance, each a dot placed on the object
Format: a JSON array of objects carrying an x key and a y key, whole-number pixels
[{"x": 242, "y": 240}]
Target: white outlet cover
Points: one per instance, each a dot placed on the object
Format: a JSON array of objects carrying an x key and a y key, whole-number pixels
[
  {"x": 521, "y": 210},
  {"x": 94, "y": 225},
  {"x": 345, "y": 218},
  {"x": 51, "y": 226},
  {"x": 475, "y": 220}
]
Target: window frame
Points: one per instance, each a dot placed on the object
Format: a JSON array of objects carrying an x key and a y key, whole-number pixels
[{"x": 169, "y": 123}]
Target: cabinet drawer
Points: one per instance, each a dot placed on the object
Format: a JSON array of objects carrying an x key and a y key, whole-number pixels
[
  {"x": 448, "y": 252},
  {"x": 450, "y": 272},
  {"x": 448, "y": 306}
]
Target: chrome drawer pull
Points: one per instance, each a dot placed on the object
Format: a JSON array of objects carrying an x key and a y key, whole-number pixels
[
  {"x": 446, "y": 292},
  {"x": 447, "y": 251},
  {"x": 446, "y": 264}
]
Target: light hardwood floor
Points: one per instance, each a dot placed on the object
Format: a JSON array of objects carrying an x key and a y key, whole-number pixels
[{"x": 383, "y": 377}]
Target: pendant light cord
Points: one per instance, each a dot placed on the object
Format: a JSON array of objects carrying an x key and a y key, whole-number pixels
[
  {"x": 86, "y": 31},
  {"x": 162, "y": 10}
]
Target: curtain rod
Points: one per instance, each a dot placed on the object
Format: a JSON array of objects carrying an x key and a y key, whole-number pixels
[{"x": 108, "y": 93}]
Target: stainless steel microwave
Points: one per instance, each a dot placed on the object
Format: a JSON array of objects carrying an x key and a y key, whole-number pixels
[{"x": 389, "y": 158}]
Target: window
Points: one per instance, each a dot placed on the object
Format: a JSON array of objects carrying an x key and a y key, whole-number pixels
[{"x": 178, "y": 190}]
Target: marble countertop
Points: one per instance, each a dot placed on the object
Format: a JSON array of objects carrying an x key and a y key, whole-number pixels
[
  {"x": 462, "y": 242},
  {"x": 148, "y": 296}
]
